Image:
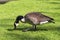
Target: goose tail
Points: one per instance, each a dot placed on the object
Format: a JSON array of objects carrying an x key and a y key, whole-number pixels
[{"x": 51, "y": 20}]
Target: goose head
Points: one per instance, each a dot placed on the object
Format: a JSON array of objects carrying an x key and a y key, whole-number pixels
[{"x": 18, "y": 18}]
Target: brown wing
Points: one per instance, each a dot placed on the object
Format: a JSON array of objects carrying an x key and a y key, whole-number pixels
[
  {"x": 33, "y": 18},
  {"x": 36, "y": 17}
]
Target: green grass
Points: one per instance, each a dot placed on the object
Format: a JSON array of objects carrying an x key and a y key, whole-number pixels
[{"x": 10, "y": 10}]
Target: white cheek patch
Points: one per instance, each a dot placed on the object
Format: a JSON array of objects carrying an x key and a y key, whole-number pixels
[
  {"x": 23, "y": 19},
  {"x": 16, "y": 24},
  {"x": 43, "y": 22}
]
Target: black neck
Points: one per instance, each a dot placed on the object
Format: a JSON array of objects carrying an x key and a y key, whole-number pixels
[{"x": 17, "y": 21}]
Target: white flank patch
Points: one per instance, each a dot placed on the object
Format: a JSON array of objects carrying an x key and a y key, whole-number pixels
[
  {"x": 43, "y": 22},
  {"x": 16, "y": 24},
  {"x": 23, "y": 19}
]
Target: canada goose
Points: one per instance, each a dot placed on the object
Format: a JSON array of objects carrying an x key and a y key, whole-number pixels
[{"x": 33, "y": 18}]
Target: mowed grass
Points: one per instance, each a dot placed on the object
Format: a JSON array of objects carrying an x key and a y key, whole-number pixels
[{"x": 10, "y": 10}]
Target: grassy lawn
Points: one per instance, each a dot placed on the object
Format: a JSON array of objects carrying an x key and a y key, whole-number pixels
[{"x": 10, "y": 10}]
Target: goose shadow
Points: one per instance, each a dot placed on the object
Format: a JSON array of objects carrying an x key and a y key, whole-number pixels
[
  {"x": 54, "y": 28},
  {"x": 23, "y": 29}
]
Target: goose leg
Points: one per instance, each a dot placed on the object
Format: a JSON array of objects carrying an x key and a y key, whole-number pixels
[
  {"x": 27, "y": 29},
  {"x": 34, "y": 27}
]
